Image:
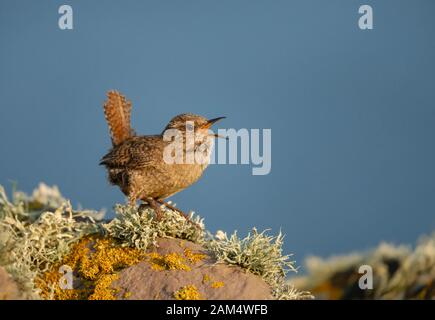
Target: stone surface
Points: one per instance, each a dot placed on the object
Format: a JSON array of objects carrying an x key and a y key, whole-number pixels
[
  {"x": 8, "y": 287},
  {"x": 213, "y": 281}
]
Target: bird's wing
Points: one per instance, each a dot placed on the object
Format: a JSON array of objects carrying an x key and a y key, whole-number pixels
[
  {"x": 135, "y": 153},
  {"x": 117, "y": 110}
]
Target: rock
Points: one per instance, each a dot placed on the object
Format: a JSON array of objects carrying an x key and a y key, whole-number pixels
[
  {"x": 199, "y": 277},
  {"x": 8, "y": 288}
]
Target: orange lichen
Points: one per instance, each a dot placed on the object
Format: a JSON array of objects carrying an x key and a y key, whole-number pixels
[
  {"x": 333, "y": 292},
  {"x": 94, "y": 262},
  {"x": 205, "y": 278},
  {"x": 217, "y": 284},
  {"x": 194, "y": 257},
  {"x": 170, "y": 261},
  {"x": 102, "y": 290},
  {"x": 189, "y": 292}
]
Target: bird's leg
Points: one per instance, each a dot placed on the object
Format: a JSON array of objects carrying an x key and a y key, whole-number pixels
[
  {"x": 167, "y": 205},
  {"x": 131, "y": 201},
  {"x": 153, "y": 204}
]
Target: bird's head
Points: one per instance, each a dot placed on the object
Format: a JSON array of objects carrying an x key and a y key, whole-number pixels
[
  {"x": 193, "y": 134},
  {"x": 194, "y": 123}
]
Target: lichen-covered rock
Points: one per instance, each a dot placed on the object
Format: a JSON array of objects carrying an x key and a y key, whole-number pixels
[
  {"x": 60, "y": 253},
  {"x": 8, "y": 288},
  {"x": 398, "y": 272},
  {"x": 183, "y": 270}
]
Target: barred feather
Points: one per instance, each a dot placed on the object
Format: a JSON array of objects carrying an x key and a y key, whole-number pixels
[{"x": 117, "y": 110}]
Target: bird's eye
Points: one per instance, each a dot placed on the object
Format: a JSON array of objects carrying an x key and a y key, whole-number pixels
[{"x": 189, "y": 126}]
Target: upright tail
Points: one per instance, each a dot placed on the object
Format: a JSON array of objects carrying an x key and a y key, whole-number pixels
[{"x": 117, "y": 110}]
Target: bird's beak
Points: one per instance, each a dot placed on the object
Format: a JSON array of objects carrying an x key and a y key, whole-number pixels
[
  {"x": 210, "y": 122},
  {"x": 219, "y": 136}
]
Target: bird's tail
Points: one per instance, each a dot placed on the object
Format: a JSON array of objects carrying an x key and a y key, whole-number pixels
[{"x": 117, "y": 110}]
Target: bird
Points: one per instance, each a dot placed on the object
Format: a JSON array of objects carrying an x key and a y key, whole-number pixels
[{"x": 137, "y": 163}]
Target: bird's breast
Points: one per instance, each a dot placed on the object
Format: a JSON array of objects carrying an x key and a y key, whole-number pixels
[{"x": 183, "y": 175}]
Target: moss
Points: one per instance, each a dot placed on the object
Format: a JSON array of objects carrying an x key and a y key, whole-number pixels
[
  {"x": 189, "y": 292},
  {"x": 95, "y": 263},
  {"x": 170, "y": 261},
  {"x": 217, "y": 284}
]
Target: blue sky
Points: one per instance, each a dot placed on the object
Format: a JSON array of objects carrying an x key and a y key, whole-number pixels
[{"x": 351, "y": 112}]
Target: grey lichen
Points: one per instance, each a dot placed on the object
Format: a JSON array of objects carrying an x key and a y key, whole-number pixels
[
  {"x": 260, "y": 254},
  {"x": 34, "y": 239},
  {"x": 140, "y": 229},
  {"x": 415, "y": 269},
  {"x": 37, "y": 232},
  {"x": 399, "y": 272}
]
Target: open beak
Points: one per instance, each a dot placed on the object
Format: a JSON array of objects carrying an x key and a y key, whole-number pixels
[
  {"x": 210, "y": 122},
  {"x": 219, "y": 136}
]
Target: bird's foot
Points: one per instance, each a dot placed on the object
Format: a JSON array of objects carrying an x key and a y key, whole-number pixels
[
  {"x": 173, "y": 208},
  {"x": 153, "y": 204}
]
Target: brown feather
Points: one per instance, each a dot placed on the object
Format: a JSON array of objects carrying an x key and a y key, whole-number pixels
[{"x": 117, "y": 110}]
